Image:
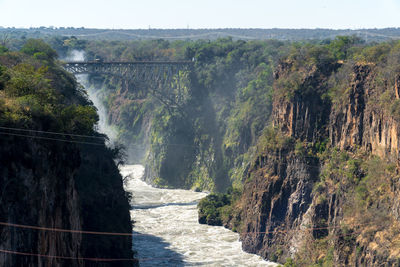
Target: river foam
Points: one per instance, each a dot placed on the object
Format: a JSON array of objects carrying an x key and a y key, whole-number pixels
[{"x": 167, "y": 233}]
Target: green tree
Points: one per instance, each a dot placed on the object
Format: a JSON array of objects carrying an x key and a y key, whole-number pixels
[
  {"x": 342, "y": 44},
  {"x": 39, "y": 49},
  {"x": 79, "y": 119},
  {"x": 26, "y": 80}
]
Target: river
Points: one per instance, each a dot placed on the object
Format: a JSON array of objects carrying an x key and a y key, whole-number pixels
[{"x": 166, "y": 231}]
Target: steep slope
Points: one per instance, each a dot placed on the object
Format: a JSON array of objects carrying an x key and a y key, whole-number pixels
[
  {"x": 331, "y": 205},
  {"x": 51, "y": 175}
]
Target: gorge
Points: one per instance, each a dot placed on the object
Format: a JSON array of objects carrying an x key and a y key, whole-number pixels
[{"x": 297, "y": 144}]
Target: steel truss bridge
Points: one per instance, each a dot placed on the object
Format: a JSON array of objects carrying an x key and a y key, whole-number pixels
[
  {"x": 161, "y": 78},
  {"x": 140, "y": 69}
]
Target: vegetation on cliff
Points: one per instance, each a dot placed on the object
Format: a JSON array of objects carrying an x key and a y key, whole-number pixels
[
  {"x": 49, "y": 164},
  {"x": 323, "y": 182}
]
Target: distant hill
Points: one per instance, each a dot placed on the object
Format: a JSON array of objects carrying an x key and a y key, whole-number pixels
[{"x": 370, "y": 35}]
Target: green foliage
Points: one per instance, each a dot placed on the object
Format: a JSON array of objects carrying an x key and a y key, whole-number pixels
[
  {"x": 209, "y": 209},
  {"x": 74, "y": 43},
  {"x": 251, "y": 110},
  {"x": 395, "y": 109},
  {"x": 79, "y": 119},
  {"x": 226, "y": 104},
  {"x": 339, "y": 84},
  {"x": 39, "y": 49},
  {"x": 290, "y": 263},
  {"x": 300, "y": 149},
  {"x": 341, "y": 46},
  {"x": 363, "y": 182},
  {"x": 272, "y": 139},
  {"x": 37, "y": 93},
  {"x": 25, "y": 79},
  {"x": 375, "y": 54},
  {"x": 4, "y": 77},
  {"x": 218, "y": 208}
]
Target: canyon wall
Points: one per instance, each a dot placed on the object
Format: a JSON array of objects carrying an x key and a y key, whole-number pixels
[{"x": 329, "y": 194}]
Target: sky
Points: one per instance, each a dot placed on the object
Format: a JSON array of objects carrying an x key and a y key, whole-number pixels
[{"x": 194, "y": 14}]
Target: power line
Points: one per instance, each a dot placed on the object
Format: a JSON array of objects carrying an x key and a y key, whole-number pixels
[
  {"x": 66, "y": 230},
  {"x": 79, "y": 142},
  {"x": 51, "y": 139},
  {"x": 65, "y": 257},
  {"x": 82, "y": 258},
  {"x": 306, "y": 229},
  {"x": 48, "y": 132},
  {"x": 107, "y": 259},
  {"x": 131, "y": 234}
]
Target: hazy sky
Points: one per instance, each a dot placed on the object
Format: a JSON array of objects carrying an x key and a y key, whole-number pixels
[{"x": 136, "y": 14}]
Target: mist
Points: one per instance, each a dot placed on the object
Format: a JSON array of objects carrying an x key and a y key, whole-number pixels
[
  {"x": 94, "y": 92},
  {"x": 75, "y": 55}
]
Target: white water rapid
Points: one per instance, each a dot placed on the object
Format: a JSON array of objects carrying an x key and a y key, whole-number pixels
[{"x": 168, "y": 233}]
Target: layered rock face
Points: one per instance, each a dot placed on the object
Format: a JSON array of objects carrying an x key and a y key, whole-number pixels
[
  {"x": 296, "y": 203},
  {"x": 54, "y": 185},
  {"x": 38, "y": 189},
  {"x": 360, "y": 122}
]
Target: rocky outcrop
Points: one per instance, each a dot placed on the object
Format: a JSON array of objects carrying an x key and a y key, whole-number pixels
[
  {"x": 305, "y": 115},
  {"x": 283, "y": 214},
  {"x": 276, "y": 199},
  {"x": 361, "y": 120}
]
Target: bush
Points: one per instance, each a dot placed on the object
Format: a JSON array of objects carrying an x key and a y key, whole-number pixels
[
  {"x": 272, "y": 139},
  {"x": 217, "y": 209}
]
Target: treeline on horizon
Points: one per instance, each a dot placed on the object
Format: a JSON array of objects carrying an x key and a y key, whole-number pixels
[{"x": 369, "y": 35}]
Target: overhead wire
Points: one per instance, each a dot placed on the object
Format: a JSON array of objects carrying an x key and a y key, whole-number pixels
[
  {"x": 66, "y": 230},
  {"x": 119, "y": 259},
  {"x": 82, "y": 258},
  {"x": 68, "y": 140},
  {"x": 49, "y": 132},
  {"x": 52, "y": 139},
  {"x": 103, "y": 233},
  {"x": 135, "y": 234},
  {"x": 87, "y": 136},
  {"x": 66, "y": 257}
]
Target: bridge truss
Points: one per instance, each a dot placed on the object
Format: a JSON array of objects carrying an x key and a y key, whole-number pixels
[{"x": 163, "y": 79}]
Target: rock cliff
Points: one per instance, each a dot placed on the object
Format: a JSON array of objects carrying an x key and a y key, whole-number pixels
[
  {"x": 330, "y": 194},
  {"x": 55, "y": 169}
]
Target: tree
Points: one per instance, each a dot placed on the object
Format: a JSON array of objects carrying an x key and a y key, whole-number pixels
[
  {"x": 39, "y": 49},
  {"x": 341, "y": 45}
]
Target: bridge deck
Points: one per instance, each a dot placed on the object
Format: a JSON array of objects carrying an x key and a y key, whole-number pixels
[{"x": 128, "y": 62}]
